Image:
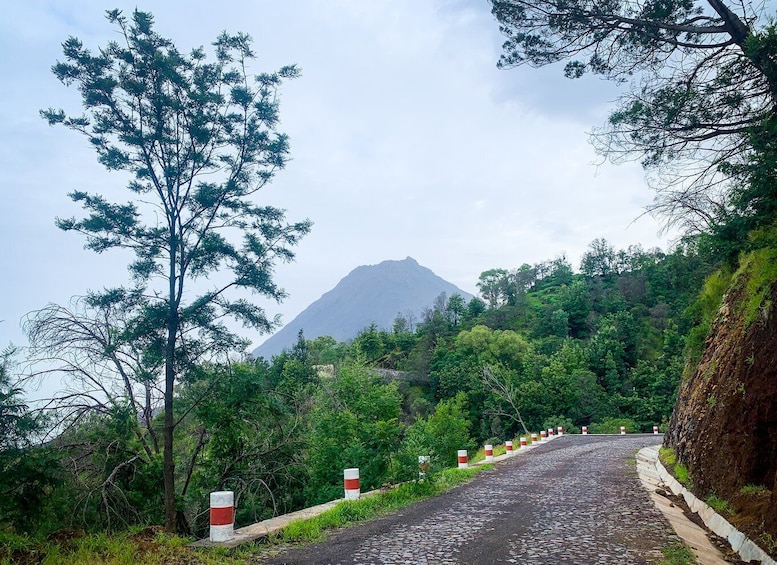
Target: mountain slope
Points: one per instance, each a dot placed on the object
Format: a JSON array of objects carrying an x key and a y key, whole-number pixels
[
  {"x": 724, "y": 427},
  {"x": 369, "y": 294}
]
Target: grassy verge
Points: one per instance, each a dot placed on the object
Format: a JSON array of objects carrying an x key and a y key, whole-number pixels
[
  {"x": 314, "y": 529},
  {"x": 719, "y": 505},
  {"x": 70, "y": 547},
  {"x": 678, "y": 554},
  {"x": 154, "y": 547},
  {"x": 680, "y": 472}
]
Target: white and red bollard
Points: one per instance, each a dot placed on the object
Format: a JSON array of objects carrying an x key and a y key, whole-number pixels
[
  {"x": 550, "y": 433},
  {"x": 222, "y": 515},
  {"x": 523, "y": 442},
  {"x": 655, "y": 430},
  {"x": 623, "y": 430},
  {"x": 543, "y": 435},
  {"x": 508, "y": 448},
  {"x": 533, "y": 439},
  {"x": 560, "y": 431},
  {"x": 585, "y": 430},
  {"x": 351, "y": 483},
  {"x": 463, "y": 461},
  {"x": 489, "y": 453}
]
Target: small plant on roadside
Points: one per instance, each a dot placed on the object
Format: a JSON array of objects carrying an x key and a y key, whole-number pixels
[
  {"x": 719, "y": 505},
  {"x": 681, "y": 474},
  {"x": 678, "y": 554},
  {"x": 754, "y": 490},
  {"x": 768, "y": 542},
  {"x": 667, "y": 456}
]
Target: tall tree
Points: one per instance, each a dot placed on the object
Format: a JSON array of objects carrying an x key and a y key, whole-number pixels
[
  {"x": 707, "y": 76},
  {"x": 198, "y": 140},
  {"x": 599, "y": 259}
]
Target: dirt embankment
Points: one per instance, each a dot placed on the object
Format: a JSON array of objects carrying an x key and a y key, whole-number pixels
[{"x": 724, "y": 427}]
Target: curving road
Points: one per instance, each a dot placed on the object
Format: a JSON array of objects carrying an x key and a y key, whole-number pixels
[{"x": 575, "y": 500}]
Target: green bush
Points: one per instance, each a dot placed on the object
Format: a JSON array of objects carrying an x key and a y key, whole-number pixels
[
  {"x": 613, "y": 426},
  {"x": 719, "y": 505},
  {"x": 439, "y": 436},
  {"x": 556, "y": 421}
]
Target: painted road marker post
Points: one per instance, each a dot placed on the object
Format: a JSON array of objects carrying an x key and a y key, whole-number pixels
[
  {"x": 623, "y": 430},
  {"x": 489, "y": 453},
  {"x": 222, "y": 515},
  {"x": 543, "y": 435},
  {"x": 585, "y": 430},
  {"x": 655, "y": 430},
  {"x": 509, "y": 448},
  {"x": 351, "y": 483},
  {"x": 424, "y": 463},
  {"x": 463, "y": 461},
  {"x": 523, "y": 442},
  {"x": 550, "y": 433},
  {"x": 560, "y": 431}
]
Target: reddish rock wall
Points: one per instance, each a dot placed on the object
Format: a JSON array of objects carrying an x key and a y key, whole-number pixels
[{"x": 724, "y": 426}]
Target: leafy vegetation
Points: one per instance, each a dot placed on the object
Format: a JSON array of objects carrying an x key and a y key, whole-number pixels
[
  {"x": 668, "y": 457},
  {"x": 754, "y": 490},
  {"x": 197, "y": 140},
  {"x": 719, "y": 505},
  {"x": 547, "y": 347},
  {"x": 678, "y": 554},
  {"x": 164, "y": 412}
]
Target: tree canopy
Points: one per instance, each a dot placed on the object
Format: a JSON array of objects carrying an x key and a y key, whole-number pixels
[
  {"x": 198, "y": 139},
  {"x": 703, "y": 76}
]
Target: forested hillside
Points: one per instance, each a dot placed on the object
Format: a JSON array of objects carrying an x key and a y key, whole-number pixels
[{"x": 545, "y": 346}]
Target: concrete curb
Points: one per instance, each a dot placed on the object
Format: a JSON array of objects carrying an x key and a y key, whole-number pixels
[{"x": 747, "y": 550}]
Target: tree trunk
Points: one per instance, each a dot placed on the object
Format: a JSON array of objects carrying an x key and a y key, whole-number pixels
[{"x": 168, "y": 463}]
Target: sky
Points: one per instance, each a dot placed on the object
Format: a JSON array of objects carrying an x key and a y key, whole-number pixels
[{"x": 406, "y": 140}]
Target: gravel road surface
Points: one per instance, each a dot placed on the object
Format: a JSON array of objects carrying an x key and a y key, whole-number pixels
[{"x": 575, "y": 500}]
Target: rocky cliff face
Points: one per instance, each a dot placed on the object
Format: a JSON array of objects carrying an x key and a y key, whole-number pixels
[{"x": 724, "y": 427}]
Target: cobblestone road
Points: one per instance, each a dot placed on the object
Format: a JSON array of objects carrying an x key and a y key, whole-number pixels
[{"x": 575, "y": 500}]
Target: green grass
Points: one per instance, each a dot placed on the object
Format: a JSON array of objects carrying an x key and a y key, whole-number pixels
[
  {"x": 350, "y": 511},
  {"x": 499, "y": 449},
  {"x": 149, "y": 546},
  {"x": 761, "y": 269},
  {"x": 754, "y": 489},
  {"x": 678, "y": 554},
  {"x": 719, "y": 505},
  {"x": 703, "y": 310},
  {"x": 768, "y": 542},
  {"x": 154, "y": 547},
  {"x": 668, "y": 457},
  {"x": 681, "y": 474}
]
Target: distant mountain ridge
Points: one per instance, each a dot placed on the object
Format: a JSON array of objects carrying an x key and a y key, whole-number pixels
[{"x": 368, "y": 294}]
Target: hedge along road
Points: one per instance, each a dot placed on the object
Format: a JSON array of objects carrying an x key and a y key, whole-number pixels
[{"x": 575, "y": 500}]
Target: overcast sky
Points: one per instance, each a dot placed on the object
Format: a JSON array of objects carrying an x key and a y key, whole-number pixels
[{"x": 406, "y": 141}]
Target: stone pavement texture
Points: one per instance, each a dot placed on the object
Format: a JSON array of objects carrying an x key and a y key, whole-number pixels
[{"x": 576, "y": 500}]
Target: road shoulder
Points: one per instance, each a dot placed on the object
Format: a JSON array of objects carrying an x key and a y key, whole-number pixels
[{"x": 693, "y": 535}]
